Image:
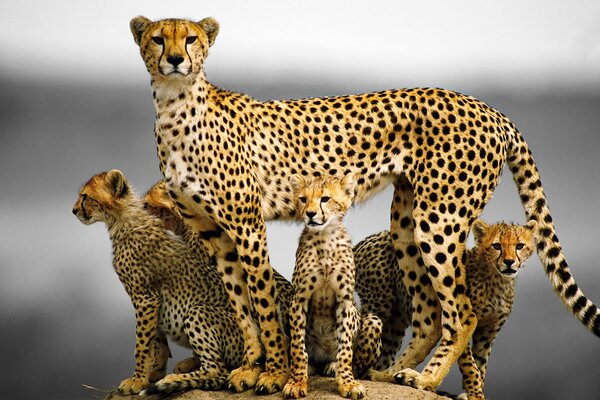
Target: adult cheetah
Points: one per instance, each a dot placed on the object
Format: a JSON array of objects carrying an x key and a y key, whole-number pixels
[{"x": 227, "y": 159}]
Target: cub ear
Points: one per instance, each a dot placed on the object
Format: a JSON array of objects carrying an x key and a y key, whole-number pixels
[
  {"x": 138, "y": 25},
  {"x": 532, "y": 227},
  {"x": 297, "y": 181},
  {"x": 116, "y": 183},
  {"x": 479, "y": 229},
  {"x": 348, "y": 184},
  {"x": 211, "y": 27}
]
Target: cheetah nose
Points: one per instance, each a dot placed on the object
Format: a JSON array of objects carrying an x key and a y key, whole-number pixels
[
  {"x": 75, "y": 211},
  {"x": 508, "y": 263},
  {"x": 175, "y": 59},
  {"x": 310, "y": 214}
]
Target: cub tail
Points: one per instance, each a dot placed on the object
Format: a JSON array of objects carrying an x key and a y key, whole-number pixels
[{"x": 183, "y": 382}]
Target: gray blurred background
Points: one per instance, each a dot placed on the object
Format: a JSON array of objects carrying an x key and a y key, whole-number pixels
[{"x": 75, "y": 100}]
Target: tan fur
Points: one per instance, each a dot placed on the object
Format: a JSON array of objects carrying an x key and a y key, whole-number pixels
[
  {"x": 325, "y": 322},
  {"x": 174, "y": 291},
  {"x": 490, "y": 286},
  {"x": 227, "y": 159}
]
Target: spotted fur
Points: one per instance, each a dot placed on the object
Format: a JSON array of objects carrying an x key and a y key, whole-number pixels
[
  {"x": 324, "y": 318},
  {"x": 499, "y": 253},
  {"x": 227, "y": 157},
  {"x": 175, "y": 293}
]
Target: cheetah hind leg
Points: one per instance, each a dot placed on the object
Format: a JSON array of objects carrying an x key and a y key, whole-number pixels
[
  {"x": 367, "y": 345},
  {"x": 217, "y": 343},
  {"x": 188, "y": 365},
  {"x": 162, "y": 353}
]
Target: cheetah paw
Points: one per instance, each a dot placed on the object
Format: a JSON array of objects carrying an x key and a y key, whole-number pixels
[
  {"x": 295, "y": 388},
  {"x": 271, "y": 382},
  {"x": 244, "y": 377},
  {"x": 352, "y": 390},
  {"x": 133, "y": 385},
  {"x": 330, "y": 368},
  {"x": 412, "y": 378}
]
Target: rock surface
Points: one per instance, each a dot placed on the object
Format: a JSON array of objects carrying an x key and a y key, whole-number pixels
[{"x": 319, "y": 388}]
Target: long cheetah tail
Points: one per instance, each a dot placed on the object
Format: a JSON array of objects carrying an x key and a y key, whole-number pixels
[{"x": 533, "y": 198}]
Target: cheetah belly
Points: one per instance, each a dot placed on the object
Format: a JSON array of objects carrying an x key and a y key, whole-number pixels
[
  {"x": 321, "y": 339},
  {"x": 171, "y": 319}
]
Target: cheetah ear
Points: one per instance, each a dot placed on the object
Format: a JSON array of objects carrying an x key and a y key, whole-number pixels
[
  {"x": 349, "y": 184},
  {"x": 211, "y": 27},
  {"x": 138, "y": 25},
  {"x": 116, "y": 183},
  {"x": 297, "y": 181},
  {"x": 479, "y": 229},
  {"x": 532, "y": 226}
]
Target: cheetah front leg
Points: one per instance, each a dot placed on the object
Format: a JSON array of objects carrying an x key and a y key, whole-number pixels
[
  {"x": 483, "y": 340},
  {"x": 471, "y": 376},
  {"x": 221, "y": 245},
  {"x": 228, "y": 264},
  {"x": 250, "y": 239},
  {"x": 146, "y": 321}
]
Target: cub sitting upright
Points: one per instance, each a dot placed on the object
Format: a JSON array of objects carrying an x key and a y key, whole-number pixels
[
  {"x": 174, "y": 292},
  {"x": 325, "y": 322}
]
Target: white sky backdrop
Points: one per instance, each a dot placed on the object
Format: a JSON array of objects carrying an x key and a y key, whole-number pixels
[{"x": 501, "y": 44}]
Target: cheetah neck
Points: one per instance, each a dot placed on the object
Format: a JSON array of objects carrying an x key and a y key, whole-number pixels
[{"x": 128, "y": 220}]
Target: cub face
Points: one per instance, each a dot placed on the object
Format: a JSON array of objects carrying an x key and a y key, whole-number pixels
[
  {"x": 507, "y": 246},
  {"x": 101, "y": 196},
  {"x": 174, "y": 49},
  {"x": 321, "y": 201}
]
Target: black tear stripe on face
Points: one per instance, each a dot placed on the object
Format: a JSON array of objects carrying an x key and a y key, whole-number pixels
[
  {"x": 162, "y": 53},
  {"x": 188, "y": 54}
]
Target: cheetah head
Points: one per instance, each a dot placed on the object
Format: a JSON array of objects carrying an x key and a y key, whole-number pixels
[
  {"x": 322, "y": 201},
  {"x": 174, "y": 49},
  {"x": 158, "y": 203},
  {"x": 507, "y": 246},
  {"x": 101, "y": 196}
]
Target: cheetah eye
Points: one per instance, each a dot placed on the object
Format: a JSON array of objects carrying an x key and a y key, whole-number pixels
[
  {"x": 190, "y": 39},
  {"x": 325, "y": 199},
  {"x": 520, "y": 246},
  {"x": 302, "y": 199},
  {"x": 158, "y": 40},
  {"x": 497, "y": 246}
]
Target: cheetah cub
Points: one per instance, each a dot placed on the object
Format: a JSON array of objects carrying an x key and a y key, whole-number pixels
[
  {"x": 500, "y": 251},
  {"x": 499, "y": 254},
  {"x": 174, "y": 292},
  {"x": 325, "y": 322}
]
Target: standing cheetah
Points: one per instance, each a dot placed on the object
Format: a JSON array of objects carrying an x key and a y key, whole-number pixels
[
  {"x": 500, "y": 252},
  {"x": 324, "y": 319},
  {"x": 174, "y": 292},
  {"x": 227, "y": 159}
]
